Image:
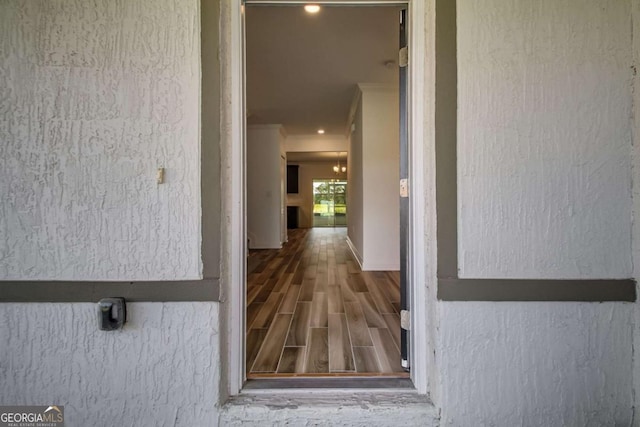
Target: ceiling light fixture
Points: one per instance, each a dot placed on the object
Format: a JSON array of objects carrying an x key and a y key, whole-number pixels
[
  {"x": 312, "y": 8},
  {"x": 321, "y": 131}
]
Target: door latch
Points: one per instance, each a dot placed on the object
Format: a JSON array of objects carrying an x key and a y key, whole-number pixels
[{"x": 404, "y": 188}]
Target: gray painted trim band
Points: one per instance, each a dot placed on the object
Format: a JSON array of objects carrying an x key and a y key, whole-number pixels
[
  {"x": 536, "y": 290},
  {"x": 450, "y": 287},
  {"x": 77, "y": 291}
]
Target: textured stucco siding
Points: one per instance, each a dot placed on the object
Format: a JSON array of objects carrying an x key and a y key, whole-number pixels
[
  {"x": 635, "y": 5},
  {"x": 94, "y": 97},
  {"x": 536, "y": 364},
  {"x": 162, "y": 369},
  {"x": 544, "y": 139}
]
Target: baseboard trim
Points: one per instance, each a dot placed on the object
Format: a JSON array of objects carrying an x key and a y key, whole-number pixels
[{"x": 355, "y": 252}]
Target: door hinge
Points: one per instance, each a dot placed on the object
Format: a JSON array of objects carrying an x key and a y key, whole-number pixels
[
  {"x": 403, "y": 56},
  {"x": 404, "y": 188},
  {"x": 405, "y": 320}
]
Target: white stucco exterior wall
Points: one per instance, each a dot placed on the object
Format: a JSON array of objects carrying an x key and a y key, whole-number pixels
[
  {"x": 573, "y": 358},
  {"x": 536, "y": 364},
  {"x": 161, "y": 369},
  {"x": 94, "y": 97},
  {"x": 544, "y": 175},
  {"x": 544, "y": 139},
  {"x": 635, "y": 11}
]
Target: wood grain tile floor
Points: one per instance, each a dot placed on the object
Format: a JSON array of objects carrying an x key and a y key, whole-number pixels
[{"x": 312, "y": 311}]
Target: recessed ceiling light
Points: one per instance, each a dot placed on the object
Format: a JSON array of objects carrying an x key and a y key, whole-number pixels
[
  {"x": 312, "y": 8},
  {"x": 320, "y": 131}
]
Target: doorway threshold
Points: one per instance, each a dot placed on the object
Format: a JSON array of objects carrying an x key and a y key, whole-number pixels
[
  {"x": 330, "y": 407},
  {"x": 331, "y": 382}
]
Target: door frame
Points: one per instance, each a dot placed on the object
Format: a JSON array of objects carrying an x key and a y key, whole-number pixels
[{"x": 421, "y": 120}]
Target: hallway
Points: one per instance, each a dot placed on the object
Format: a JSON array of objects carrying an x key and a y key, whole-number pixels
[{"x": 312, "y": 311}]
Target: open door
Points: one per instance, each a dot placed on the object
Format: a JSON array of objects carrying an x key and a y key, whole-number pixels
[{"x": 404, "y": 192}]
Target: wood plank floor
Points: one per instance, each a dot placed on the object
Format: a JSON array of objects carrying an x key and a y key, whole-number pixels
[{"x": 312, "y": 311}]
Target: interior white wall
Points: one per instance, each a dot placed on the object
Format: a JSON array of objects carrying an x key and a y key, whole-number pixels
[
  {"x": 264, "y": 186},
  {"x": 307, "y": 172},
  {"x": 544, "y": 171},
  {"x": 310, "y": 143},
  {"x": 161, "y": 369},
  {"x": 94, "y": 97},
  {"x": 381, "y": 177},
  {"x": 355, "y": 196}
]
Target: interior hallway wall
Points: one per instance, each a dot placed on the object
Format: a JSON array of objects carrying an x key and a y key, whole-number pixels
[
  {"x": 375, "y": 148},
  {"x": 265, "y": 148},
  {"x": 355, "y": 197}
]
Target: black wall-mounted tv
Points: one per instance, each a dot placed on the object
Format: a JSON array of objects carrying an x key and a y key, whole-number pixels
[{"x": 292, "y": 179}]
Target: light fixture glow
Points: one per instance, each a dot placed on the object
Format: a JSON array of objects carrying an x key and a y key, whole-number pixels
[
  {"x": 312, "y": 8},
  {"x": 321, "y": 131},
  {"x": 337, "y": 168}
]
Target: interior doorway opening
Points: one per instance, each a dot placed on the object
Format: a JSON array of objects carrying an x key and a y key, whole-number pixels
[{"x": 250, "y": 112}]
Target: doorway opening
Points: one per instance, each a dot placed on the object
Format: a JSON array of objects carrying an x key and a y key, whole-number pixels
[
  {"x": 421, "y": 149},
  {"x": 329, "y": 203},
  {"x": 325, "y": 301}
]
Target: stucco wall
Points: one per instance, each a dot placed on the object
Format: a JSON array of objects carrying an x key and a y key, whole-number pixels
[
  {"x": 94, "y": 97},
  {"x": 635, "y": 10},
  {"x": 536, "y": 364},
  {"x": 544, "y": 170},
  {"x": 162, "y": 369},
  {"x": 544, "y": 191}
]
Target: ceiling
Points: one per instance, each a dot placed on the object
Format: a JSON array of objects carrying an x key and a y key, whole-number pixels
[{"x": 302, "y": 69}]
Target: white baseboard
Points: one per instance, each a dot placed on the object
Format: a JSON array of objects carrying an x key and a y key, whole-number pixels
[
  {"x": 355, "y": 252},
  {"x": 372, "y": 266},
  {"x": 264, "y": 245}
]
